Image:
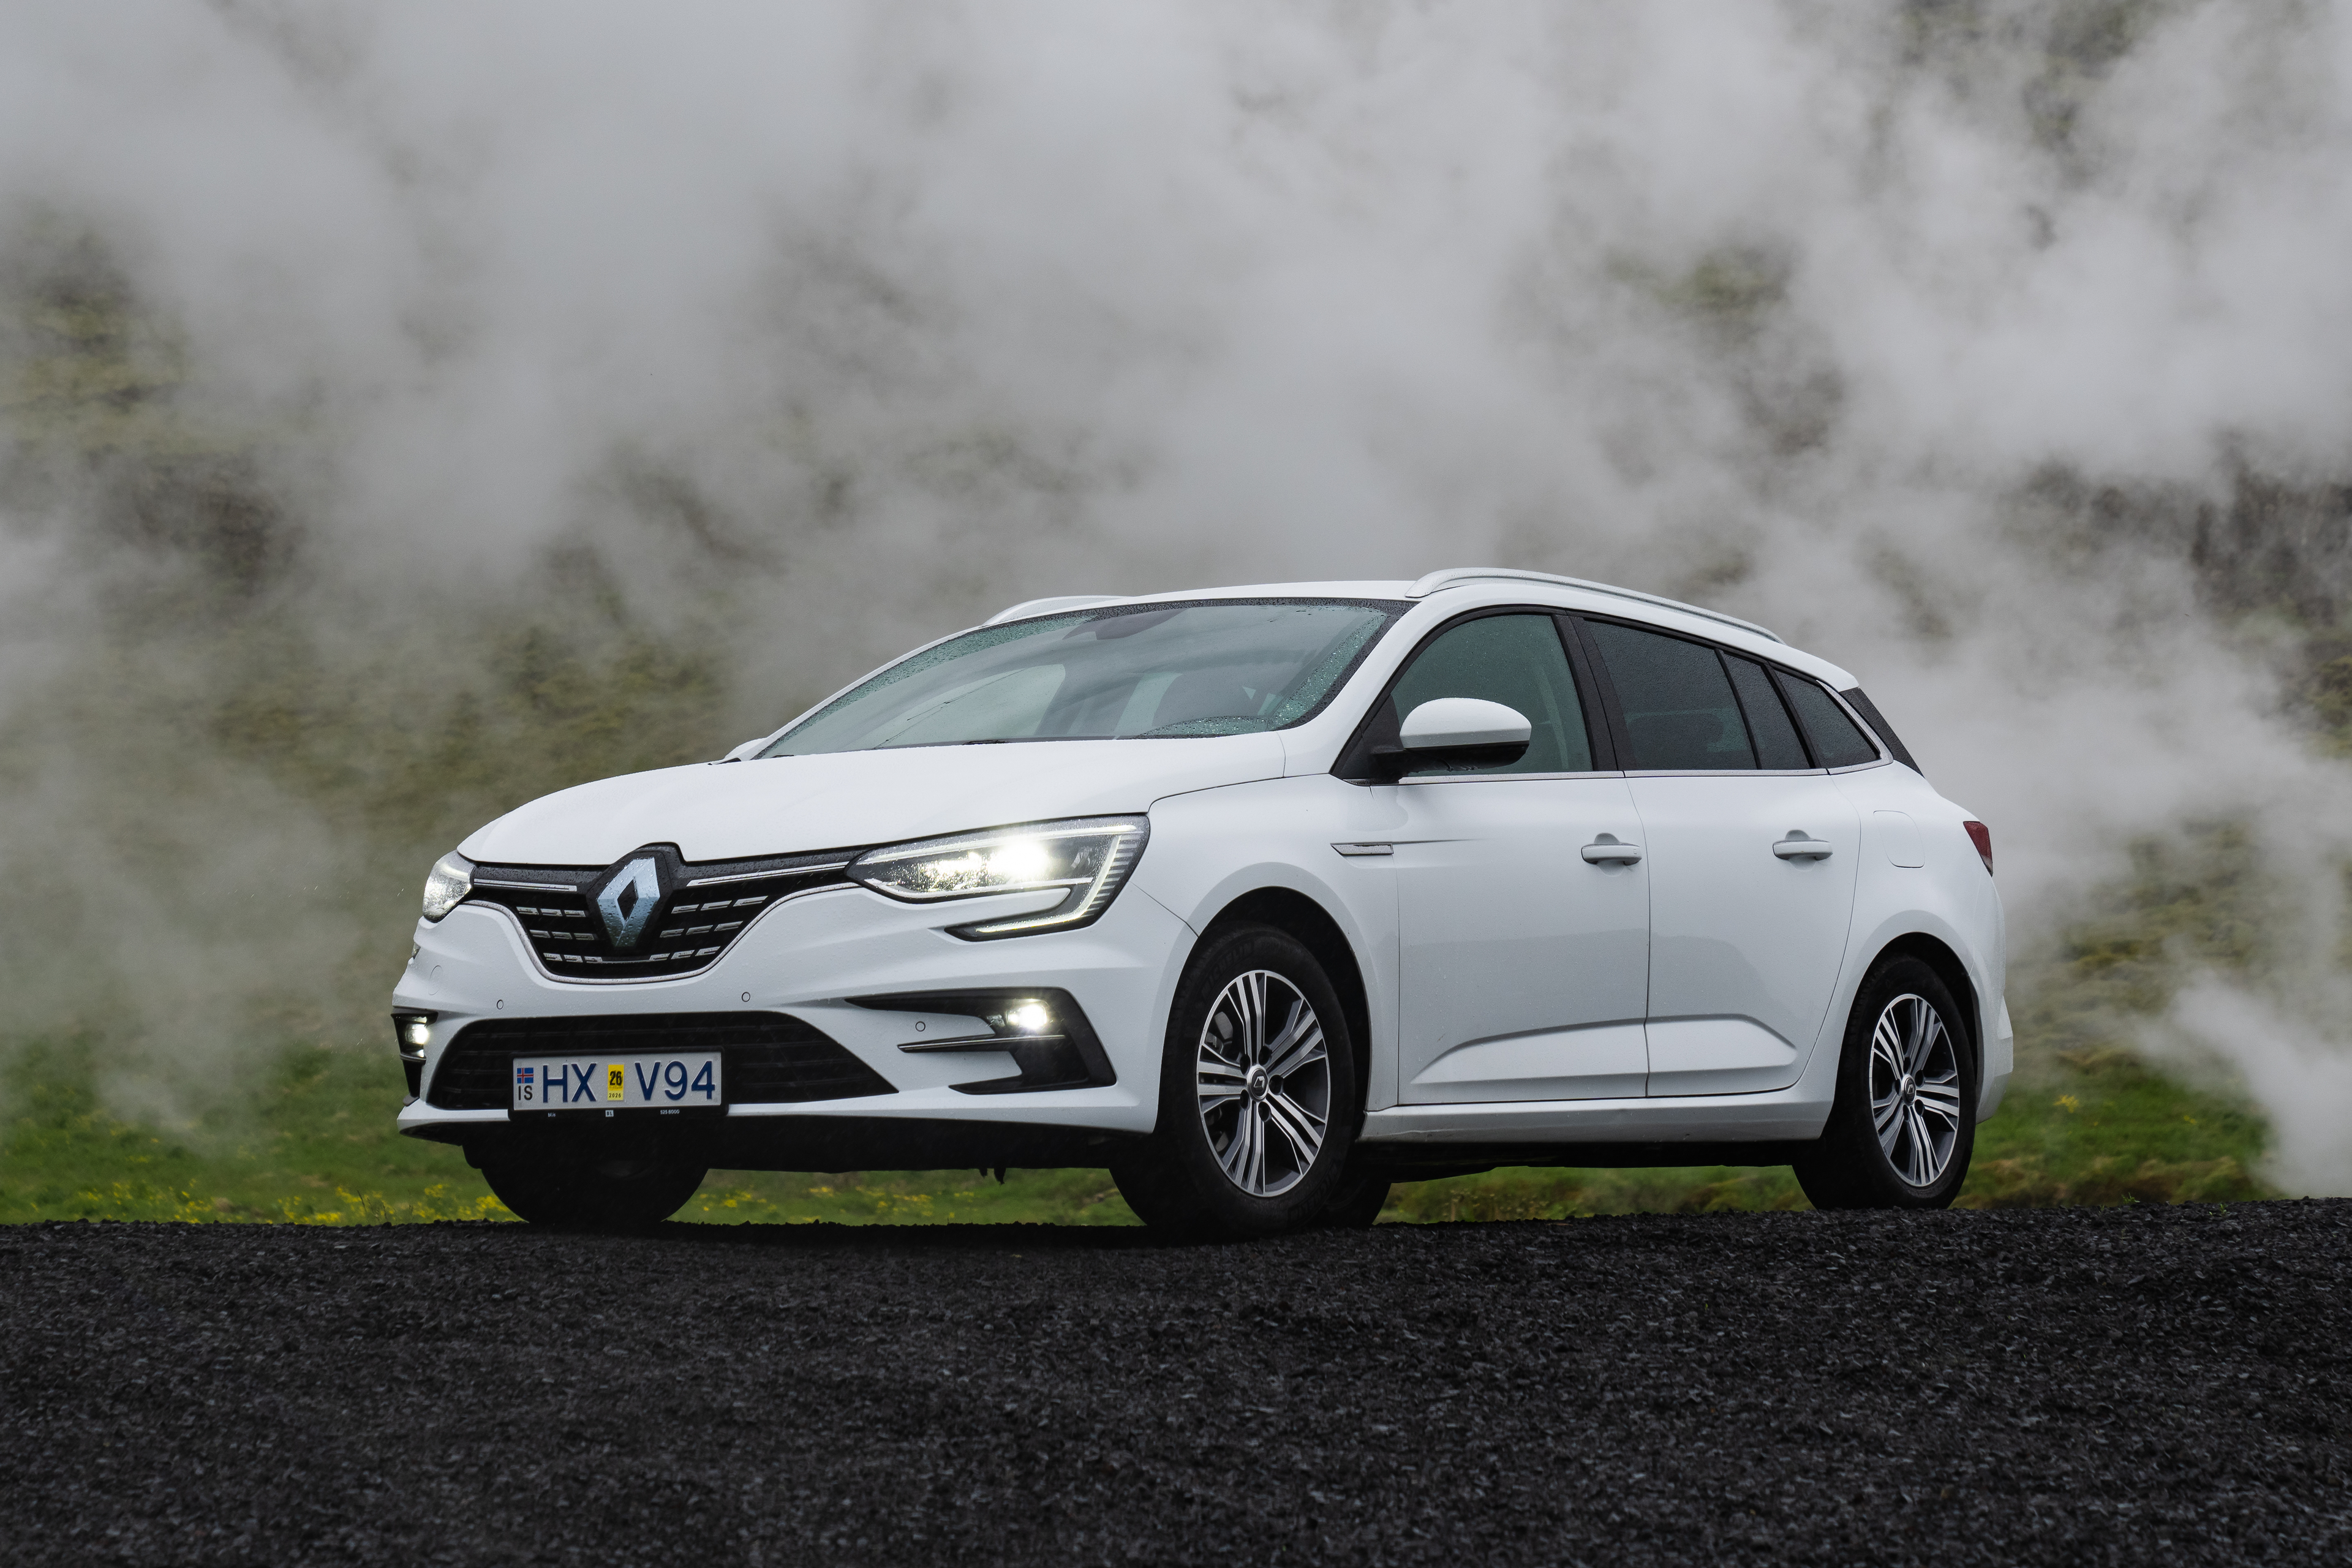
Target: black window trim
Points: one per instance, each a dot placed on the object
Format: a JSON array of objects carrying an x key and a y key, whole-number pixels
[
  {"x": 1772, "y": 680},
  {"x": 1621, "y": 738},
  {"x": 1354, "y": 763}
]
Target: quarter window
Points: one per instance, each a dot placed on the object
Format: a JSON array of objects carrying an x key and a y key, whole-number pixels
[
  {"x": 1837, "y": 741},
  {"x": 1680, "y": 713},
  {"x": 1518, "y": 661}
]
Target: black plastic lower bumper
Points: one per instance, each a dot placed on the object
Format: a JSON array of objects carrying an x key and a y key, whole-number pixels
[{"x": 811, "y": 1143}]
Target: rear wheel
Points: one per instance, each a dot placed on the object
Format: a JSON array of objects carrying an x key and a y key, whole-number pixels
[
  {"x": 1904, "y": 1124},
  {"x": 595, "y": 1194},
  {"x": 1258, "y": 1099}
]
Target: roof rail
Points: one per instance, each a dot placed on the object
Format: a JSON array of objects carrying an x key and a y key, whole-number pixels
[
  {"x": 1047, "y": 607},
  {"x": 1457, "y": 576}
]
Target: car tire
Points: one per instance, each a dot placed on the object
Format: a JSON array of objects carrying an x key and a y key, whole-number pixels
[
  {"x": 600, "y": 1194},
  {"x": 1356, "y": 1202},
  {"x": 1246, "y": 1085},
  {"x": 1903, "y": 1126}
]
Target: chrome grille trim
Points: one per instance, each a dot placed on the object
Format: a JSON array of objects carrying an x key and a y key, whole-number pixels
[
  {"x": 688, "y": 932},
  {"x": 749, "y": 876}
]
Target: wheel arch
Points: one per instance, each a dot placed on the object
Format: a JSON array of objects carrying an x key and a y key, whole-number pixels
[
  {"x": 1938, "y": 955},
  {"x": 1288, "y": 910}
]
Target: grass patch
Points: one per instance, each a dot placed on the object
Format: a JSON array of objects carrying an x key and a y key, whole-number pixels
[
  {"x": 313, "y": 1145},
  {"x": 312, "y": 1142}
]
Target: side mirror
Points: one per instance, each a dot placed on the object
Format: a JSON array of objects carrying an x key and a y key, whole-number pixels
[{"x": 1459, "y": 732}]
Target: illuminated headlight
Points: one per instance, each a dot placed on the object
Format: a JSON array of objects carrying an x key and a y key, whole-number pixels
[
  {"x": 446, "y": 888},
  {"x": 1089, "y": 858}
]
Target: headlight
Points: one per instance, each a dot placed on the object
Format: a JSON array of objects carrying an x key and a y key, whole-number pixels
[
  {"x": 446, "y": 888},
  {"x": 1089, "y": 857}
]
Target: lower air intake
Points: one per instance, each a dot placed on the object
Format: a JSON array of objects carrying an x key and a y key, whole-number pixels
[{"x": 770, "y": 1058}]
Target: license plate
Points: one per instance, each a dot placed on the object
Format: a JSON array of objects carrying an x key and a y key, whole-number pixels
[{"x": 687, "y": 1081}]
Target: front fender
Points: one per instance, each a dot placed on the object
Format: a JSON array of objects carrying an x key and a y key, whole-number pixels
[{"x": 1212, "y": 846}]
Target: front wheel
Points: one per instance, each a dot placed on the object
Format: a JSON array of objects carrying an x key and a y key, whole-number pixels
[
  {"x": 1357, "y": 1199},
  {"x": 1904, "y": 1120},
  {"x": 1258, "y": 1098},
  {"x": 595, "y": 1194}
]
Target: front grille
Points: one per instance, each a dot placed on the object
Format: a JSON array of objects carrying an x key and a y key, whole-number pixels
[
  {"x": 770, "y": 1058},
  {"x": 707, "y": 908}
]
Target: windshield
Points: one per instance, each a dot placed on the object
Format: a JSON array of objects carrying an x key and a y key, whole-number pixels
[{"x": 1224, "y": 666}]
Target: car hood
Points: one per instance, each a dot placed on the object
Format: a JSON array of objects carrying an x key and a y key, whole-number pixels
[{"x": 782, "y": 805}]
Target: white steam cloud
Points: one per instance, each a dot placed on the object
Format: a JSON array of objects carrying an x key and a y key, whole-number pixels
[{"x": 1846, "y": 319}]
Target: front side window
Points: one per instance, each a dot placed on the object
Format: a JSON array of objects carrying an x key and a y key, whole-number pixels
[
  {"x": 1518, "y": 661},
  {"x": 1680, "y": 713},
  {"x": 1215, "y": 667}
]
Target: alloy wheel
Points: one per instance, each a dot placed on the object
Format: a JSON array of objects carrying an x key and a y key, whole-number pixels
[
  {"x": 1265, "y": 1083},
  {"x": 1915, "y": 1089}
]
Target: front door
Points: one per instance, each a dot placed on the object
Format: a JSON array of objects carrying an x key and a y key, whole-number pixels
[
  {"x": 1751, "y": 858},
  {"x": 1522, "y": 964}
]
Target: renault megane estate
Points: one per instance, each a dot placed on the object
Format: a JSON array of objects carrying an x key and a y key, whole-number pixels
[{"x": 1263, "y": 898}]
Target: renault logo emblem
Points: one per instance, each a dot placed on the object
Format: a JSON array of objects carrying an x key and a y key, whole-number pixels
[{"x": 631, "y": 892}]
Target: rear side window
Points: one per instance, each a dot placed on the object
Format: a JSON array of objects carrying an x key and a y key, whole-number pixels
[
  {"x": 1680, "y": 713},
  {"x": 1837, "y": 741},
  {"x": 1768, "y": 725},
  {"x": 1518, "y": 661}
]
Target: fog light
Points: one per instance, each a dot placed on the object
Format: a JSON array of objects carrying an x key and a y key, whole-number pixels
[
  {"x": 1044, "y": 1030},
  {"x": 412, "y": 1032}
]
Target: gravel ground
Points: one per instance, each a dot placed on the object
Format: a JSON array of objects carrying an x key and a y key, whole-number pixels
[{"x": 2075, "y": 1386}]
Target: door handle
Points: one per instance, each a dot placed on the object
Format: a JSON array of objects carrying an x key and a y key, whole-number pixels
[
  {"x": 1797, "y": 846},
  {"x": 1605, "y": 850}
]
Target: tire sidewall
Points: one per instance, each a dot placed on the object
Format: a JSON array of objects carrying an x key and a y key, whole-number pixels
[
  {"x": 1189, "y": 1188},
  {"x": 640, "y": 1198},
  {"x": 578, "y": 1194}
]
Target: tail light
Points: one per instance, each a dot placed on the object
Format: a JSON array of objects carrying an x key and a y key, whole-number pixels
[{"x": 1981, "y": 837}]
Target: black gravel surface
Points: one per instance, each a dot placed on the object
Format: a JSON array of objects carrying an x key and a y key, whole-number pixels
[{"x": 2131, "y": 1386}]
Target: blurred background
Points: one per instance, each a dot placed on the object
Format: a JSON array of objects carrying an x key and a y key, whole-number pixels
[{"x": 404, "y": 411}]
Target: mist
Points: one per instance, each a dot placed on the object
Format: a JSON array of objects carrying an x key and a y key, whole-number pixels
[{"x": 411, "y": 410}]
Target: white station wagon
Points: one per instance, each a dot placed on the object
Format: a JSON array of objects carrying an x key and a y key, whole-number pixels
[{"x": 1262, "y": 898}]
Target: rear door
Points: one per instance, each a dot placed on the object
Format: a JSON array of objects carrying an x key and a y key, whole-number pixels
[
  {"x": 1522, "y": 966},
  {"x": 1751, "y": 855}
]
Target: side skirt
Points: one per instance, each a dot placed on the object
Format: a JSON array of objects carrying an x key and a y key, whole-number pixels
[{"x": 1428, "y": 1162}]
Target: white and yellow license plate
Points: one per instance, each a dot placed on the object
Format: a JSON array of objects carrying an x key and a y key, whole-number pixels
[{"x": 688, "y": 1081}]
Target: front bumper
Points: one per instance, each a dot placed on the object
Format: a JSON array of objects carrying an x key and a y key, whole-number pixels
[{"x": 805, "y": 958}]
